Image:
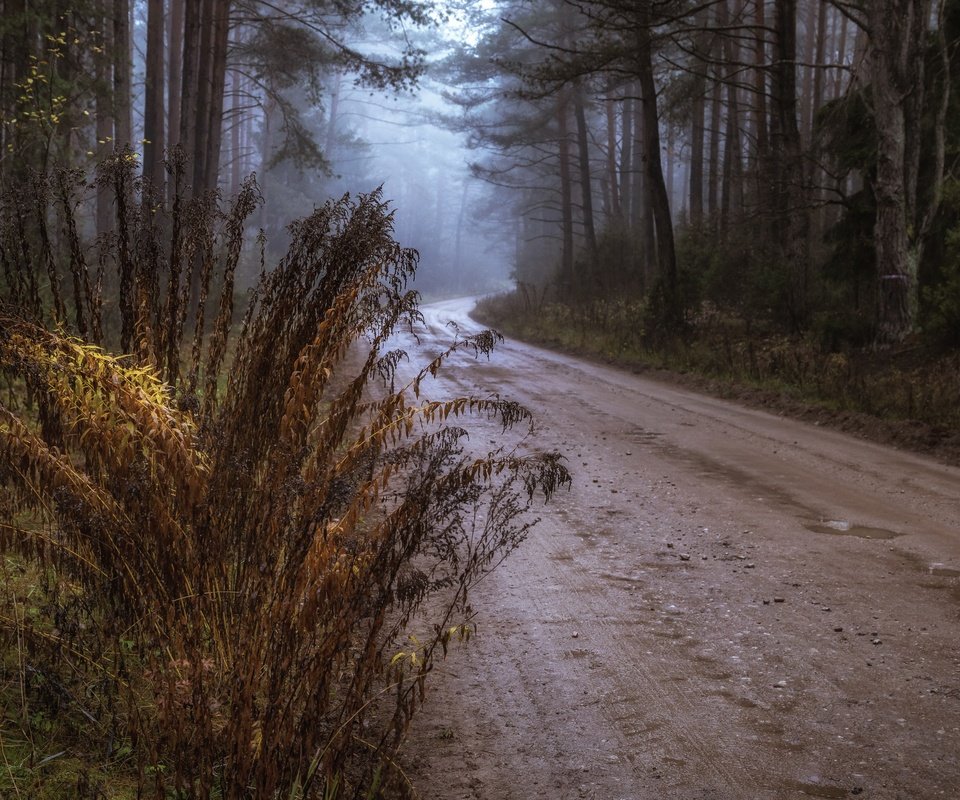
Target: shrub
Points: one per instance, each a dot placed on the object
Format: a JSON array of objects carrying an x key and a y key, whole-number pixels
[{"x": 251, "y": 544}]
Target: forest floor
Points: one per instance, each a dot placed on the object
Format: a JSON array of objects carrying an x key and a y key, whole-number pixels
[{"x": 727, "y": 604}]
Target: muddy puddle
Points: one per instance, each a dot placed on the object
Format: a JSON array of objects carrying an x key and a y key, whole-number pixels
[{"x": 841, "y": 527}]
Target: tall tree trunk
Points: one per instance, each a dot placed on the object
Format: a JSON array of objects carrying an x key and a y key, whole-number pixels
[
  {"x": 897, "y": 31},
  {"x": 813, "y": 35},
  {"x": 716, "y": 98},
  {"x": 642, "y": 211},
  {"x": 204, "y": 85},
  {"x": 104, "y": 111},
  {"x": 586, "y": 179},
  {"x": 789, "y": 207},
  {"x": 760, "y": 108},
  {"x": 614, "y": 184},
  {"x": 333, "y": 118},
  {"x": 566, "y": 200},
  {"x": 188, "y": 82},
  {"x": 236, "y": 130},
  {"x": 122, "y": 69},
  {"x": 154, "y": 120},
  {"x": 841, "y": 58},
  {"x": 698, "y": 116},
  {"x": 666, "y": 251},
  {"x": 732, "y": 199},
  {"x": 626, "y": 155},
  {"x": 175, "y": 39},
  {"x": 218, "y": 76}
]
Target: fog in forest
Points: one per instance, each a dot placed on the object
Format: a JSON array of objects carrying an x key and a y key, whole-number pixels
[{"x": 320, "y": 130}]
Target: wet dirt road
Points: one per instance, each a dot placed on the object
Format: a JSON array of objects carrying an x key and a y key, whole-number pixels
[{"x": 726, "y": 604}]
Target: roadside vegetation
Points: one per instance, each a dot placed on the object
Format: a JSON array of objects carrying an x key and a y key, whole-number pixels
[
  {"x": 231, "y": 550},
  {"x": 908, "y": 396}
]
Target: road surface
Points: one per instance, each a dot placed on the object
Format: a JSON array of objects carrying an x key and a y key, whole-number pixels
[{"x": 726, "y": 604}]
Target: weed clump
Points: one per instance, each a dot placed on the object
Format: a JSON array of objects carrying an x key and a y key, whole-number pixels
[{"x": 244, "y": 531}]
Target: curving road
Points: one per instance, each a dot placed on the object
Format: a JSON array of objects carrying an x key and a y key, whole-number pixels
[{"x": 726, "y": 604}]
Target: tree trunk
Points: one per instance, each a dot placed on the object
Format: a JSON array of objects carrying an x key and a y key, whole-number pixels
[
  {"x": 841, "y": 58},
  {"x": 188, "y": 83},
  {"x": 731, "y": 201},
  {"x": 204, "y": 85},
  {"x": 760, "y": 99},
  {"x": 666, "y": 252},
  {"x": 790, "y": 209},
  {"x": 566, "y": 201},
  {"x": 104, "y": 111},
  {"x": 895, "y": 49},
  {"x": 236, "y": 129},
  {"x": 698, "y": 117},
  {"x": 154, "y": 120},
  {"x": 586, "y": 181},
  {"x": 175, "y": 71},
  {"x": 642, "y": 217},
  {"x": 716, "y": 92},
  {"x": 122, "y": 69},
  {"x": 626, "y": 156},
  {"x": 218, "y": 76},
  {"x": 614, "y": 186}
]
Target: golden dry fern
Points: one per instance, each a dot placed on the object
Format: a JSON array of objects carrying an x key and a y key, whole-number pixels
[{"x": 255, "y": 554}]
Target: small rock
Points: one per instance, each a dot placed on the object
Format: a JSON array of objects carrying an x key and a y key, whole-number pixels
[
  {"x": 766, "y": 602},
  {"x": 575, "y": 635},
  {"x": 838, "y": 630},
  {"x": 670, "y": 545},
  {"x": 876, "y": 641},
  {"x": 684, "y": 556},
  {"x": 779, "y": 600},
  {"x": 749, "y": 566},
  {"x": 780, "y": 684}
]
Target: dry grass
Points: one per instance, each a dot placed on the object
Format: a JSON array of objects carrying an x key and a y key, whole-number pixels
[{"x": 242, "y": 564}]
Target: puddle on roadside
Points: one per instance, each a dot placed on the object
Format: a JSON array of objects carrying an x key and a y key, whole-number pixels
[
  {"x": 939, "y": 571},
  {"x": 841, "y": 527},
  {"x": 813, "y": 789}
]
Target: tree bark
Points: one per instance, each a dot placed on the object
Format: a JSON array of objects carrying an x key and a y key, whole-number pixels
[
  {"x": 614, "y": 186},
  {"x": 175, "y": 71},
  {"x": 698, "y": 116},
  {"x": 790, "y": 209},
  {"x": 666, "y": 251},
  {"x": 188, "y": 83},
  {"x": 716, "y": 91},
  {"x": 895, "y": 50},
  {"x": 586, "y": 179},
  {"x": 122, "y": 69},
  {"x": 731, "y": 200},
  {"x": 154, "y": 120},
  {"x": 204, "y": 85},
  {"x": 626, "y": 155},
  {"x": 760, "y": 99},
  {"x": 218, "y": 75},
  {"x": 566, "y": 200},
  {"x": 104, "y": 111}
]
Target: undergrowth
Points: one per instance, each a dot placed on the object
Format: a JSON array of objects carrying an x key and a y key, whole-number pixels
[
  {"x": 219, "y": 556},
  {"x": 909, "y": 384}
]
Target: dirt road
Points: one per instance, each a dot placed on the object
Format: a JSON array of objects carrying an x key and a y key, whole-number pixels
[{"x": 726, "y": 604}]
